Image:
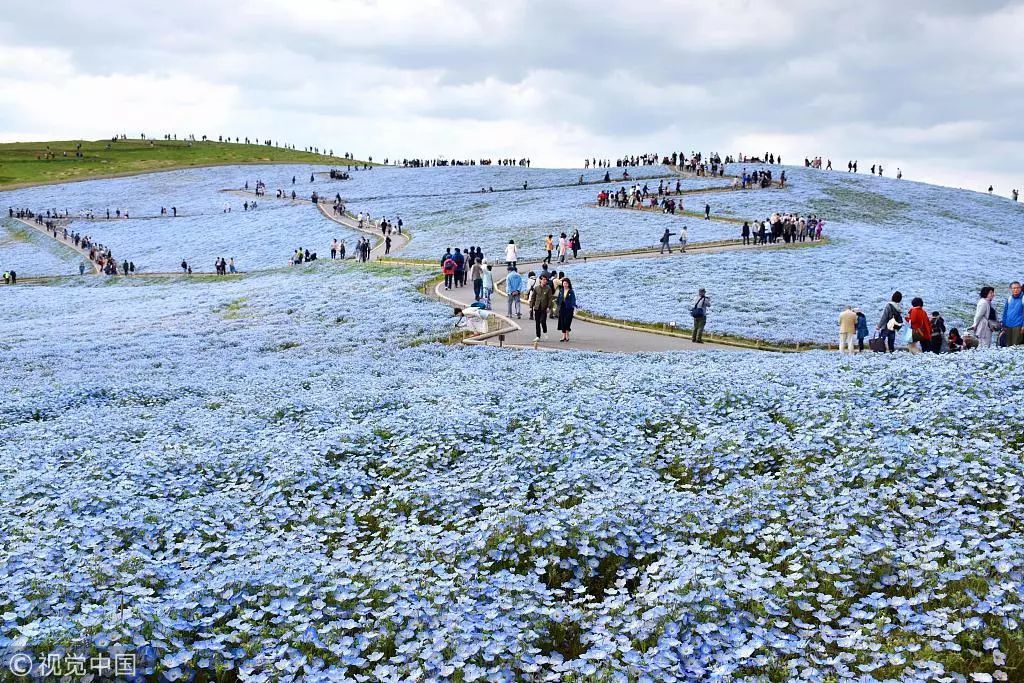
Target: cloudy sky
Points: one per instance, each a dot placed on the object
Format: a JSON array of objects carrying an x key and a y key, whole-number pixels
[{"x": 936, "y": 87}]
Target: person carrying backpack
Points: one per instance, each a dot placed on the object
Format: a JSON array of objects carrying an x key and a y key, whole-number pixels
[{"x": 448, "y": 270}]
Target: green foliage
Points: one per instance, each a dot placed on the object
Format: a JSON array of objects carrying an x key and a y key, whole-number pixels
[{"x": 39, "y": 163}]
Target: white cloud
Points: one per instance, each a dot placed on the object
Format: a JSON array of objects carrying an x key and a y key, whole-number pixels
[{"x": 928, "y": 86}]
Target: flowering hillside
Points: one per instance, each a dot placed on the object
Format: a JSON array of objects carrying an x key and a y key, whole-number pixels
[{"x": 281, "y": 476}]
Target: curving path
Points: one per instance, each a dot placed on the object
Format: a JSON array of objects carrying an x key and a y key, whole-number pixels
[{"x": 588, "y": 333}]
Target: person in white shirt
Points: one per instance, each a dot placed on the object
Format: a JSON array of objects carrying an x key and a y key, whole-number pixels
[{"x": 511, "y": 254}]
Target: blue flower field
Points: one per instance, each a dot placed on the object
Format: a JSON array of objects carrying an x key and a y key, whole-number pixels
[{"x": 284, "y": 475}]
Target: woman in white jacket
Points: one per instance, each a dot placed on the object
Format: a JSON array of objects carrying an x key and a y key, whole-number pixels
[
  {"x": 983, "y": 326},
  {"x": 511, "y": 254}
]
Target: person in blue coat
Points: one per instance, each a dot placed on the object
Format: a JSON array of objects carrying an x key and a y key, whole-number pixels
[
  {"x": 862, "y": 328},
  {"x": 566, "y": 307},
  {"x": 1013, "y": 315}
]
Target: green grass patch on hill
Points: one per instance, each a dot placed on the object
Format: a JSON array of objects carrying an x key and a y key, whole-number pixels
[{"x": 39, "y": 163}]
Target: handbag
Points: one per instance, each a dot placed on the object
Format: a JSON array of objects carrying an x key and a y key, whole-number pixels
[
  {"x": 907, "y": 336},
  {"x": 698, "y": 310},
  {"x": 877, "y": 343}
]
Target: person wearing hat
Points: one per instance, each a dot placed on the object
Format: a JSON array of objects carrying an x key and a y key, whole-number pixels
[
  {"x": 542, "y": 297},
  {"x": 699, "y": 312}
]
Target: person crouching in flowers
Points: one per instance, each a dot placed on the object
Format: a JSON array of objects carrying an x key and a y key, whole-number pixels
[{"x": 566, "y": 304}]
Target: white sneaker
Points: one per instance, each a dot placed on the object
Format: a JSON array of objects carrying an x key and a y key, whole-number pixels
[{"x": 536, "y": 339}]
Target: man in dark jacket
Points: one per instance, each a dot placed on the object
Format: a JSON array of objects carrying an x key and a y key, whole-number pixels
[{"x": 542, "y": 298}]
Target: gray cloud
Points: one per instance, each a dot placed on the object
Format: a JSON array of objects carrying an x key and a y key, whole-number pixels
[{"x": 898, "y": 82}]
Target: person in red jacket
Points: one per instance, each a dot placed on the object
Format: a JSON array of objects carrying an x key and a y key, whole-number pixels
[
  {"x": 448, "y": 270},
  {"x": 920, "y": 324}
]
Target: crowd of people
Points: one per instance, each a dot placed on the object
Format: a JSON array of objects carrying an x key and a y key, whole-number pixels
[
  {"x": 428, "y": 163},
  {"x": 921, "y": 331},
  {"x": 787, "y": 227}
]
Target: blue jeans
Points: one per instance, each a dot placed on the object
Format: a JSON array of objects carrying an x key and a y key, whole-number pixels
[{"x": 478, "y": 289}]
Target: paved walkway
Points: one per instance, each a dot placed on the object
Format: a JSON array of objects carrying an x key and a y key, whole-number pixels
[
  {"x": 60, "y": 239},
  {"x": 369, "y": 227},
  {"x": 519, "y": 331}
]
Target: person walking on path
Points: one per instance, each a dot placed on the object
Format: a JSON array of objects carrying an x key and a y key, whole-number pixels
[
  {"x": 984, "y": 316},
  {"x": 745, "y": 233},
  {"x": 488, "y": 284},
  {"x": 1013, "y": 315},
  {"x": 574, "y": 243},
  {"x": 920, "y": 326},
  {"x": 938, "y": 332},
  {"x": 707, "y": 212},
  {"x": 511, "y": 254},
  {"x": 514, "y": 288},
  {"x": 549, "y": 246},
  {"x": 541, "y": 303},
  {"x": 460, "y": 267},
  {"x": 847, "y": 328},
  {"x": 862, "y": 328},
  {"x": 448, "y": 270},
  {"x": 563, "y": 246},
  {"x": 684, "y": 237},
  {"x": 566, "y": 308},
  {"x": 387, "y": 247},
  {"x": 699, "y": 313},
  {"x": 531, "y": 284},
  {"x": 666, "y": 242},
  {"x": 891, "y": 321},
  {"x": 81, "y": 269},
  {"x": 476, "y": 274}
]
